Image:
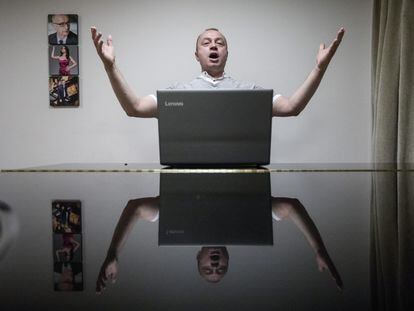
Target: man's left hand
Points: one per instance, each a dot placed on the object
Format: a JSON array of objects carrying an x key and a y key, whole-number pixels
[{"x": 325, "y": 54}]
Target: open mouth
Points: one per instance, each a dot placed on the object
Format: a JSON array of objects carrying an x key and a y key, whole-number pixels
[
  {"x": 215, "y": 257},
  {"x": 213, "y": 56},
  {"x": 215, "y": 252}
]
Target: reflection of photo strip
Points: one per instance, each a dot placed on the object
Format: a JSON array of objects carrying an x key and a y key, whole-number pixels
[
  {"x": 68, "y": 277},
  {"x": 67, "y": 247},
  {"x": 64, "y": 91},
  {"x": 66, "y": 216}
]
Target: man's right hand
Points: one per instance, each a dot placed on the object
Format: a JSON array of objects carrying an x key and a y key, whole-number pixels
[
  {"x": 325, "y": 263},
  {"x": 134, "y": 106},
  {"x": 106, "y": 50},
  {"x": 108, "y": 272}
]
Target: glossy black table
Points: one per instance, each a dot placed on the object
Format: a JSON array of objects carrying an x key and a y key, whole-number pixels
[{"x": 207, "y": 239}]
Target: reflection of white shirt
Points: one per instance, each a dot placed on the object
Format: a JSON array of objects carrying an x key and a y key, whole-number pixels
[
  {"x": 156, "y": 217},
  {"x": 275, "y": 217}
]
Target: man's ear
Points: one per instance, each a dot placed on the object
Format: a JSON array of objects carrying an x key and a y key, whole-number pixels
[{"x": 196, "y": 56}]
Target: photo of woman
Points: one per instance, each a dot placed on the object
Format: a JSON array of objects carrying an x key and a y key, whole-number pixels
[
  {"x": 67, "y": 247},
  {"x": 63, "y": 64}
]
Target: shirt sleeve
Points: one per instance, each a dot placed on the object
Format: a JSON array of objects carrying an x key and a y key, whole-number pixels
[
  {"x": 153, "y": 96},
  {"x": 258, "y": 87},
  {"x": 276, "y": 97},
  {"x": 275, "y": 217},
  {"x": 156, "y": 217},
  {"x": 175, "y": 86}
]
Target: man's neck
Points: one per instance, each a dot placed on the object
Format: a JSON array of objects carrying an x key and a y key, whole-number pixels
[
  {"x": 61, "y": 38},
  {"x": 215, "y": 74}
]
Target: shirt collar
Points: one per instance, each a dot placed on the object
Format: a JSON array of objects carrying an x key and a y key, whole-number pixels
[
  {"x": 205, "y": 76},
  {"x": 61, "y": 39}
]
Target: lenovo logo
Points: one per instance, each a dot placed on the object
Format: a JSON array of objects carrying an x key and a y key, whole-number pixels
[
  {"x": 169, "y": 232},
  {"x": 173, "y": 104}
]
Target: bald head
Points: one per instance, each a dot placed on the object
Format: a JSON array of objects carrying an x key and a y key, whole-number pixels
[
  {"x": 211, "y": 52},
  {"x": 61, "y": 23},
  {"x": 207, "y": 30}
]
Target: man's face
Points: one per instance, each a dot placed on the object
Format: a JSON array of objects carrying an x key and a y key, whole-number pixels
[
  {"x": 212, "y": 52},
  {"x": 61, "y": 24},
  {"x": 213, "y": 263}
]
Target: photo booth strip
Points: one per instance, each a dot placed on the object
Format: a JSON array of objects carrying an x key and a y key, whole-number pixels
[
  {"x": 63, "y": 39},
  {"x": 67, "y": 245}
]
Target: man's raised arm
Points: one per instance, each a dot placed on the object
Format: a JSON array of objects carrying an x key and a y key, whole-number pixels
[
  {"x": 134, "y": 106},
  {"x": 292, "y": 106}
]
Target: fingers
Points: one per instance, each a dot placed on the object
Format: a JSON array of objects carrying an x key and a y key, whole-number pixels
[
  {"x": 99, "y": 46},
  {"x": 96, "y": 37},
  {"x": 337, "y": 40},
  {"x": 94, "y": 32},
  {"x": 109, "y": 40},
  {"x": 100, "y": 284},
  {"x": 107, "y": 274},
  {"x": 339, "y": 284},
  {"x": 112, "y": 275},
  {"x": 340, "y": 34},
  {"x": 335, "y": 276}
]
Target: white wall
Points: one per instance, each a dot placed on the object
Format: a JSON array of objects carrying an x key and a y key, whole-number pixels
[{"x": 272, "y": 43}]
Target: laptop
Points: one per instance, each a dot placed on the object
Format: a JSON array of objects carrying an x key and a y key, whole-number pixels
[
  {"x": 215, "y": 209},
  {"x": 218, "y": 128}
]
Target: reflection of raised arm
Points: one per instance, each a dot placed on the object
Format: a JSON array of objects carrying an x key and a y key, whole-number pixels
[
  {"x": 58, "y": 252},
  {"x": 293, "y": 105},
  {"x": 293, "y": 209},
  {"x": 52, "y": 55},
  {"x": 145, "y": 208},
  {"x": 134, "y": 106},
  {"x": 76, "y": 245}
]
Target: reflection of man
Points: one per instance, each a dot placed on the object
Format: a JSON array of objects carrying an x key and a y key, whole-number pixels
[
  {"x": 63, "y": 35},
  {"x": 211, "y": 52},
  {"x": 213, "y": 261}
]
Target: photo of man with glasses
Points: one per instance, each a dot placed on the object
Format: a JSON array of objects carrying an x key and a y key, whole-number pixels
[{"x": 61, "y": 24}]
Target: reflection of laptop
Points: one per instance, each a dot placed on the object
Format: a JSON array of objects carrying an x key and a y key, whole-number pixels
[
  {"x": 214, "y": 127},
  {"x": 215, "y": 209}
]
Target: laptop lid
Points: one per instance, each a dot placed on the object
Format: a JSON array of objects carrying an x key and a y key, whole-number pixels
[
  {"x": 214, "y": 127},
  {"x": 215, "y": 209}
]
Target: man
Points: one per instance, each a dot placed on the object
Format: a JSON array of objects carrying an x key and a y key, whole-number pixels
[
  {"x": 211, "y": 52},
  {"x": 63, "y": 35},
  {"x": 212, "y": 261}
]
